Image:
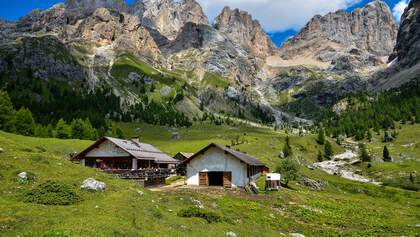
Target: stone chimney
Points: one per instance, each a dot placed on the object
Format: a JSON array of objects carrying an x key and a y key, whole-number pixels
[{"x": 135, "y": 139}]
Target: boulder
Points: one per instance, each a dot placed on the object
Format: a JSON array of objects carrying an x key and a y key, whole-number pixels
[
  {"x": 312, "y": 184},
  {"x": 140, "y": 192},
  {"x": 281, "y": 155},
  {"x": 231, "y": 234},
  {"x": 23, "y": 175},
  {"x": 377, "y": 159},
  {"x": 176, "y": 135},
  {"x": 388, "y": 138},
  {"x": 165, "y": 90},
  {"x": 92, "y": 184},
  {"x": 296, "y": 235}
]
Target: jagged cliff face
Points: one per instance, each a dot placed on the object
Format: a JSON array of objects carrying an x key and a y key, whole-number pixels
[
  {"x": 407, "y": 48},
  {"x": 240, "y": 27},
  {"x": 156, "y": 31},
  {"x": 177, "y": 39},
  {"x": 169, "y": 17},
  {"x": 371, "y": 29}
]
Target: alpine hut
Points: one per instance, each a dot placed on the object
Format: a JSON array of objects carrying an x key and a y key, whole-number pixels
[
  {"x": 217, "y": 165},
  {"x": 129, "y": 159}
]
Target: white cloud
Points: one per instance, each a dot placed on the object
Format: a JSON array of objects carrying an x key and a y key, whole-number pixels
[
  {"x": 398, "y": 9},
  {"x": 278, "y": 15}
]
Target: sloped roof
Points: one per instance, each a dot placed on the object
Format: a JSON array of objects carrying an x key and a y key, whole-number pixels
[
  {"x": 185, "y": 154},
  {"x": 237, "y": 154},
  {"x": 141, "y": 151}
]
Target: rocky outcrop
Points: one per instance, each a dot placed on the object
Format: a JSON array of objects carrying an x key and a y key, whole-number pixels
[
  {"x": 372, "y": 29},
  {"x": 167, "y": 17},
  {"x": 96, "y": 22},
  {"x": 407, "y": 48},
  {"x": 240, "y": 27},
  {"x": 92, "y": 184},
  {"x": 43, "y": 57}
]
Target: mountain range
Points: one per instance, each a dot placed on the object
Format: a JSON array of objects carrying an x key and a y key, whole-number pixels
[{"x": 169, "y": 53}]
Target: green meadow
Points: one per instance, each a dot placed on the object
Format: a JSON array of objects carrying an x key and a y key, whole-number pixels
[{"x": 342, "y": 208}]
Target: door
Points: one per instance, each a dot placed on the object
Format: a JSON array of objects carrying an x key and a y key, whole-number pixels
[
  {"x": 203, "y": 179},
  {"x": 227, "y": 179}
]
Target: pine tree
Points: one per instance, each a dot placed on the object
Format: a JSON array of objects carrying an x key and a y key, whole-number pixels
[
  {"x": 369, "y": 135},
  {"x": 364, "y": 155},
  {"x": 88, "y": 130},
  {"x": 63, "y": 130},
  {"x": 7, "y": 113},
  {"x": 321, "y": 137},
  {"x": 50, "y": 131},
  {"x": 25, "y": 123},
  {"x": 40, "y": 131},
  {"x": 287, "y": 149},
  {"x": 328, "y": 149},
  {"x": 386, "y": 155},
  {"x": 77, "y": 127},
  {"x": 319, "y": 157}
]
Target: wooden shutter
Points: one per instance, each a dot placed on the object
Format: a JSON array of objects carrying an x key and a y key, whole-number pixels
[
  {"x": 227, "y": 179},
  {"x": 203, "y": 179}
]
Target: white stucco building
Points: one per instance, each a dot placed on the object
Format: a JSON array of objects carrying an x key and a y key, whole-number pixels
[{"x": 217, "y": 165}]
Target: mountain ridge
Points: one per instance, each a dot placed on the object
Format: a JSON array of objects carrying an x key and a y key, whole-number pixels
[{"x": 176, "y": 41}]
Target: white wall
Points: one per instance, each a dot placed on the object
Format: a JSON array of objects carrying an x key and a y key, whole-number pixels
[
  {"x": 215, "y": 159},
  {"x": 107, "y": 149}
]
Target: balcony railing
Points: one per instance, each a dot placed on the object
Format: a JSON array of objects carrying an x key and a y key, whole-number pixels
[{"x": 139, "y": 174}]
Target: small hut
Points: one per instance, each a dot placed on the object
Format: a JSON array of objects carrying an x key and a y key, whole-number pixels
[
  {"x": 272, "y": 181},
  {"x": 217, "y": 165}
]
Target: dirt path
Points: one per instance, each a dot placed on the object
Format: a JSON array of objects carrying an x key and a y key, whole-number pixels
[{"x": 177, "y": 184}]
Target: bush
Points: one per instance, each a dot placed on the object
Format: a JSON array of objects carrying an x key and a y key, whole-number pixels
[
  {"x": 328, "y": 150},
  {"x": 289, "y": 170},
  {"x": 364, "y": 154},
  {"x": 52, "y": 193},
  {"x": 209, "y": 216},
  {"x": 54, "y": 233}
]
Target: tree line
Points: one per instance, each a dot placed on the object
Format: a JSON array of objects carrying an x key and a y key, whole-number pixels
[
  {"x": 377, "y": 112},
  {"x": 22, "y": 122}
]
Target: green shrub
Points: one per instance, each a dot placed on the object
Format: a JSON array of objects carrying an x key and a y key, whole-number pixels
[
  {"x": 209, "y": 216},
  {"x": 52, "y": 193},
  {"x": 55, "y": 233}
]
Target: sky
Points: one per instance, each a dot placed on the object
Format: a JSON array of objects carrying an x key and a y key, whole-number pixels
[{"x": 281, "y": 19}]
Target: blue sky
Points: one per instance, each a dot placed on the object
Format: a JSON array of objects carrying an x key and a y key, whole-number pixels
[{"x": 281, "y": 19}]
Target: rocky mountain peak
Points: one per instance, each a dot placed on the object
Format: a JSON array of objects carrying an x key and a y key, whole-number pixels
[
  {"x": 243, "y": 29},
  {"x": 371, "y": 28},
  {"x": 118, "y": 5},
  {"x": 168, "y": 17},
  {"x": 408, "y": 41}
]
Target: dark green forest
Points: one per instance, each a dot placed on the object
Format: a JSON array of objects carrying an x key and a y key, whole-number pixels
[{"x": 377, "y": 112}]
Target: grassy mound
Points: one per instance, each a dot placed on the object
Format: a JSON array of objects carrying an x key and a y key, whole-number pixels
[{"x": 52, "y": 193}]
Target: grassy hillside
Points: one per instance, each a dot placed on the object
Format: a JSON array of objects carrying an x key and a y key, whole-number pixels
[
  {"x": 405, "y": 151},
  {"x": 344, "y": 208}
]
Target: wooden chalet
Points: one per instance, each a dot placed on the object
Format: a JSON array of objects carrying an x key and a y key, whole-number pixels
[{"x": 129, "y": 159}]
